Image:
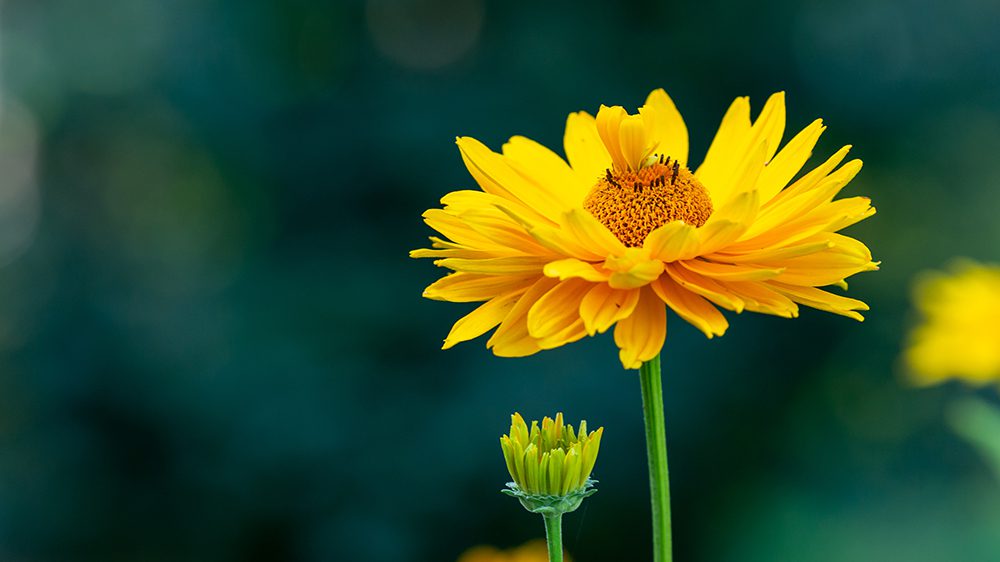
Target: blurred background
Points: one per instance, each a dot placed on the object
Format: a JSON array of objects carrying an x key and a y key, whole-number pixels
[{"x": 212, "y": 341}]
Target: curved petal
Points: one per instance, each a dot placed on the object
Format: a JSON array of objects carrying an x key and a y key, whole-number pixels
[
  {"x": 728, "y": 223},
  {"x": 558, "y": 309},
  {"x": 571, "y": 268},
  {"x": 474, "y": 287},
  {"x": 667, "y": 126},
  {"x": 633, "y": 269},
  {"x": 707, "y": 287},
  {"x": 673, "y": 241},
  {"x": 722, "y": 153},
  {"x": 758, "y": 297},
  {"x": 494, "y": 175},
  {"x": 794, "y": 206},
  {"x": 734, "y": 149},
  {"x": 546, "y": 169},
  {"x": 563, "y": 243},
  {"x": 584, "y": 149},
  {"x": 457, "y": 230},
  {"x": 516, "y": 265},
  {"x": 810, "y": 179},
  {"x": 742, "y": 178},
  {"x": 828, "y": 217},
  {"x": 822, "y": 300},
  {"x": 730, "y": 272},
  {"x": 591, "y": 233},
  {"x": 696, "y": 310},
  {"x": 609, "y": 120},
  {"x": 481, "y": 320},
  {"x": 640, "y": 336},
  {"x": 603, "y": 306},
  {"x": 783, "y": 167},
  {"x": 512, "y": 338},
  {"x": 636, "y": 144}
]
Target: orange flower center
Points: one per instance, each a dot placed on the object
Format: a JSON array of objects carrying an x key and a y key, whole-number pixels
[{"x": 634, "y": 203}]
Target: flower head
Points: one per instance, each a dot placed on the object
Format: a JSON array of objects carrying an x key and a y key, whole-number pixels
[
  {"x": 623, "y": 229},
  {"x": 550, "y": 466},
  {"x": 959, "y": 336}
]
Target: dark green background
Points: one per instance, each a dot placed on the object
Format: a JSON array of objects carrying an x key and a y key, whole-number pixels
[{"x": 213, "y": 346}]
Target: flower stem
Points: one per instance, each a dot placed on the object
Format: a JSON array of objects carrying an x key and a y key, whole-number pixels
[
  {"x": 656, "y": 450},
  {"x": 553, "y": 536}
]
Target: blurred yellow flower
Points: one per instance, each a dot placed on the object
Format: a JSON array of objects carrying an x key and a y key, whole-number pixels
[
  {"x": 553, "y": 460},
  {"x": 534, "y": 551},
  {"x": 561, "y": 249},
  {"x": 959, "y": 335}
]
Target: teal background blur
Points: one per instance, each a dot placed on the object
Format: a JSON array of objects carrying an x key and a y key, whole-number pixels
[{"x": 213, "y": 345}]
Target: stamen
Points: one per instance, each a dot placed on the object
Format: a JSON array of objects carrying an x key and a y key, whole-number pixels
[{"x": 634, "y": 203}]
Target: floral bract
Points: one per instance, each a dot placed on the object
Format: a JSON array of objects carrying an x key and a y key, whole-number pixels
[{"x": 550, "y": 463}]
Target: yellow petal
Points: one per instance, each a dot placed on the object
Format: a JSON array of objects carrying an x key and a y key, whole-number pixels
[
  {"x": 474, "y": 287},
  {"x": 788, "y": 208},
  {"x": 728, "y": 223},
  {"x": 640, "y": 336},
  {"x": 590, "y": 233},
  {"x": 742, "y": 178},
  {"x": 512, "y": 339},
  {"x": 603, "y": 306},
  {"x": 830, "y": 217},
  {"x": 739, "y": 148},
  {"x": 584, "y": 148},
  {"x": 566, "y": 335},
  {"x": 494, "y": 175},
  {"x": 810, "y": 179},
  {"x": 668, "y": 131},
  {"x": 457, "y": 230},
  {"x": 609, "y": 121},
  {"x": 730, "y": 272},
  {"x": 481, "y": 320},
  {"x": 822, "y": 300},
  {"x": 707, "y": 287},
  {"x": 722, "y": 155},
  {"x": 502, "y": 231},
  {"x": 565, "y": 243},
  {"x": 691, "y": 307},
  {"x": 635, "y": 143},
  {"x": 783, "y": 167},
  {"x": 632, "y": 269},
  {"x": 673, "y": 241},
  {"x": 770, "y": 124},
  {"x": 518, "y": 265},
  {"x": 570, "y": 268},
  {"x": 757, "y": 297},
  {"x": 776, "y": 256},
  {"x": 557, "y": 309},
  {"x": 545, "y": 169}
]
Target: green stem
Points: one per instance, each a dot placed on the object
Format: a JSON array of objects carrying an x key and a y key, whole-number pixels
[
  {"x": 656, "y": 450},
  {"x": 553, "y": 536}
]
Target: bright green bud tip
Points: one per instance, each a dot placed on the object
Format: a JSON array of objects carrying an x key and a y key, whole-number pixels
[{"x": 550, "y": 465}]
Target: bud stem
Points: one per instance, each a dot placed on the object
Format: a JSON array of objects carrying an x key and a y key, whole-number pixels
[
  {"x": 553, "y": 537},
  {"x": 656, "y": 450}
]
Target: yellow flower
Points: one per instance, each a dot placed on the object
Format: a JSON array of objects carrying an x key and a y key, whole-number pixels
[
  {"x": 560, "y": 250},
  {"x": 533, "y": 551},
  {"x": 960, "y": 333},
  {"x": 553, "y": 460}
]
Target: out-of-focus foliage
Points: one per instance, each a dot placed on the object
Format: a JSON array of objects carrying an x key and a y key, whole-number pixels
[{"x": 212, "y": 342}]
